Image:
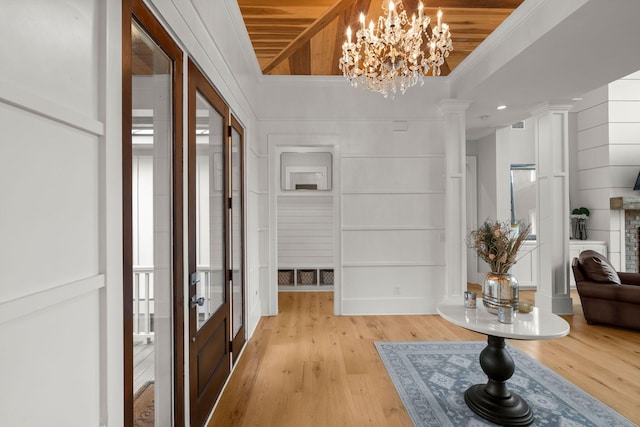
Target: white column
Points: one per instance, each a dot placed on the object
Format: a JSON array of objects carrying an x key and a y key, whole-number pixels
[
  {"x": 455, "y": 209},
  {"x": 552, "y": 162}
]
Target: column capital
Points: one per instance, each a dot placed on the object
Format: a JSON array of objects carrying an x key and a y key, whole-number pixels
[
  {"x": 547, "y": 107},
  {"x": 454, "y": 104}
]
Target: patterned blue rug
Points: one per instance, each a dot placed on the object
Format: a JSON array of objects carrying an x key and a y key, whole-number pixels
[{"x": 431, "y": 378}]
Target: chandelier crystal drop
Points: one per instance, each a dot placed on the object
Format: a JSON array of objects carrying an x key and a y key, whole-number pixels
[{"x": 388, "y": 58}]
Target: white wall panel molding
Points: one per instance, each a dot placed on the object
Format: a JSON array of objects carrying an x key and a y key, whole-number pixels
[
  {"x": 389, "y": 264},
  {"x": 20, "y": 97},
  {"x": 389, "y": 306},
  {"x": 256, "y": 154},
  {"x": 27, "y": 304},
  {"x": 433, "y": 118},
  {"x": 390, "y": 156},
  {"x": 390, "y": 228},
  {"x": 347, "y": 192}
]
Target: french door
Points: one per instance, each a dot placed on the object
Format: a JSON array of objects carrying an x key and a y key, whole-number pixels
[
  {"x": 215, "y": 228},
  {"x": 153, "y": 271}
]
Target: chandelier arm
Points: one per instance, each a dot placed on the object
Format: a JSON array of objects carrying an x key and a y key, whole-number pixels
[{"x": 397, "y": 53}]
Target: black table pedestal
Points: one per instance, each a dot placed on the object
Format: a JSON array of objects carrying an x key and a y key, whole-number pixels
[{"x": 493, "y": 401}]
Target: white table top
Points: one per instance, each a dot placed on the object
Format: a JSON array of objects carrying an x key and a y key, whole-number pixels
[{"x": 537, "y": 325}]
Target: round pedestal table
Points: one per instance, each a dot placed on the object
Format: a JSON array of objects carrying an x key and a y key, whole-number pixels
[{"x": 493, "y": 400}]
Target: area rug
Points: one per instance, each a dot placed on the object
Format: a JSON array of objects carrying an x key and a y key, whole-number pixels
[
  {"x": 143, "y": 406},
  {"x": 431, "y": 378}
]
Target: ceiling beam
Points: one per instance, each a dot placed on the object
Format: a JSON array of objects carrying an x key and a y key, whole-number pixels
[
  {"x": 307, "y": 34},
  {"x": 300, "y": 60}
]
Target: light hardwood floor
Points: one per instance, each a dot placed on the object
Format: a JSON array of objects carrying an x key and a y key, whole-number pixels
[{"x": 307, "y": 367}]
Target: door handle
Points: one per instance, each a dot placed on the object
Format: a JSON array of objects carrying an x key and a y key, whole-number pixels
[{"x": 197, "y": 301}]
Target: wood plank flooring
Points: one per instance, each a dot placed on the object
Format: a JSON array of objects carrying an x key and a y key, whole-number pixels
[{"x": 307, "y": 367}]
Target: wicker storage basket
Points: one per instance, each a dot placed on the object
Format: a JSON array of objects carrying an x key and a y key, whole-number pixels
[{"x": 285, "y": 277}]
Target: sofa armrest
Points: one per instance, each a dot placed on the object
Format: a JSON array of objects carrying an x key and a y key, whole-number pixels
[
  {"x": 609, "y": 292},
  {"x": 630, "y": 278},
  {"x": 604, "y": 291}
]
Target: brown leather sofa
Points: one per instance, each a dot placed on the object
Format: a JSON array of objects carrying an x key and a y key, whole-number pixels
[{"x": 608, "y": 297}]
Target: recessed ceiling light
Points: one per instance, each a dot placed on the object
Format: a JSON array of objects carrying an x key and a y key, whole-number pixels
[
  {"x": 577, "y": 99},
  {"x": 501, "y": 107}
]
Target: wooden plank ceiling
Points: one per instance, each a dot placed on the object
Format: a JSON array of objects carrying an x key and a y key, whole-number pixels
[{"x": 304, "y": 37}]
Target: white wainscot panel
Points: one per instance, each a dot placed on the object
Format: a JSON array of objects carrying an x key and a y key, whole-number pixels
[
  {"x": 263, "y": 174},
  {"x": 624, "y": 90},
  {"x": 392, "y": 290},
  {"x": 594, "y": 157},
  {"x": 623, "y": 176},
  {"x": 596, "y": 136},
  {"x": 595, "y": 199},
  {"x": 49, "y": 222},
  {"x": 50, "y": 366},
  {"x": 624, "y": 133},
  {"x": 55, "y": 47},
  {"x": 594, "y": 116},
  {"x": 624, "y": 154},
  {"x": 393, "y": 174},
  {"x": 593, "y": 178},
  {"x": 265, "y": 292},
  {"x": 624, "y": 111},
  {"x": 389, "y": 281},
  {"x": 253, "y": 211},
  {"x": 421, "y": 247},
  {"x": 263, "y": 206},
  {"x": 376, "y": 210}
]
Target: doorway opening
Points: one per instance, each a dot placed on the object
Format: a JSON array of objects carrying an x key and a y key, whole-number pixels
[{"x": 306, "y": 224}]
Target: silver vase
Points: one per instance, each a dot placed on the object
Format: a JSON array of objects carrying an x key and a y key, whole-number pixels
[{"x": 499, "y": 289}]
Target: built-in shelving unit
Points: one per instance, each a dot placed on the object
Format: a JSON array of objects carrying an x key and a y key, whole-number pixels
[{"x": 305, "y": 277}]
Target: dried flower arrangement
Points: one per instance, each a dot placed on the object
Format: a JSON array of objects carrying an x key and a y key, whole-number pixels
[{"x": 497, "y": 244}]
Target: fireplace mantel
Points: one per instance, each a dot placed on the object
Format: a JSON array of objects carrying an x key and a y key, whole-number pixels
[{"x": 626, "y": 203}]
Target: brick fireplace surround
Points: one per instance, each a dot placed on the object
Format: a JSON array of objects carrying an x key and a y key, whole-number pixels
[{"x": 631, "y": 207}]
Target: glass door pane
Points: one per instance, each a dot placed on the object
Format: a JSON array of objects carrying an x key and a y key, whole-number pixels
[
  {"x": 210, "y": 220},
  {"x": 152, "y": 148},
  {"x": 236, "y": 233}
]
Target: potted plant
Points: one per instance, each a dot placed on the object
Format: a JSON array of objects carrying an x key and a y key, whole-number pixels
[{"x": 579, "y": 216}]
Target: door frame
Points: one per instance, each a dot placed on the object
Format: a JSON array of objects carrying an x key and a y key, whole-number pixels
[
  {"x": 238, "y": 341},
  {"x": 135, "y": 10}
]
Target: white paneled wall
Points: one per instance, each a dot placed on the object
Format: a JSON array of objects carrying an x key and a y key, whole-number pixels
[
  {"x": 305, "y": 230},
  {"x": 51, "y": 166},
  {"x": 608, "y": 134},
  {"x": 391, "y": 191},
  {"x": 393, "y": 220}
]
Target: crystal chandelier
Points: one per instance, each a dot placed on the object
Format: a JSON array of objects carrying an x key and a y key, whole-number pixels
[{"x": 388, "y": 58}]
